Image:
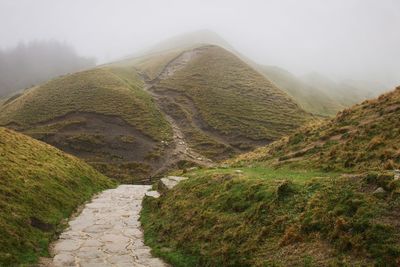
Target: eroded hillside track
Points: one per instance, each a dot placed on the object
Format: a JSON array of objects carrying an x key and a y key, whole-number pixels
[{"x": 180, "y": 150}]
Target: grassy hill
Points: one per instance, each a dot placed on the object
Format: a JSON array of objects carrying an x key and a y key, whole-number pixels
[
  {"x": 310, "y": 99},
  {"x": 324, "y": 196},
  {"x": 39, "y": 187},
  {"x": 221, "y": 102},
  {"x": 347, "y": 92},
  {"x": 363, "y": 137},
  {"x": 102, "y": 115},
  {"x": 120, "y": 117}
]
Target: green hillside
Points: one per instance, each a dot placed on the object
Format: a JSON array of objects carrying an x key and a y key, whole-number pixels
[
  {"x": 311, "y": 99},
  {"x": 39, "y": 187},
  {"x": 217, "y": 97},
  {"x": 102, "y": 90},
  {"x": 363, "y": 137},
  {"x": 102, "y": 115},
  {"x": 324, "y": 196},
  {"x": 120, "y": 117}
]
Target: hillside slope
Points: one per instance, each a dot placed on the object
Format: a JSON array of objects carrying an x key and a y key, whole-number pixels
[
  {"x": 311, "y": 99},
  {"x": 363, "y": 137},
  {"x": 136, "y": 118},
  {"x": 39, "y": 186},
  {"x": 221, "y": 104},
  {"x": 325, "y": 196},
  {"x": 314, "y": 93},
  {"x": 102, "y": 115}
]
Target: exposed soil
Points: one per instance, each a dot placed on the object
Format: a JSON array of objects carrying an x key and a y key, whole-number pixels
[
  {"x": 183, "y": 115},
  {"x": 110, "y": 144},
  {"x": 121, "y": 138},
  {"x": 180, "y": 152}
]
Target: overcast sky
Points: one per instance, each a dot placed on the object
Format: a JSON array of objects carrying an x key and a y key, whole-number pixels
[{"x": 357, "y": 39}]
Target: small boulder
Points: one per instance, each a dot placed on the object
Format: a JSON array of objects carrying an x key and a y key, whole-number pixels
[
  {"x": 238, "y": 171},
  {"x": 153, "y": 194},
  {"x": 169, "y": 182}
]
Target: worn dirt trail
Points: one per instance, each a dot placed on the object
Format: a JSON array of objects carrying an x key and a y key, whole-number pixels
[
  {"x": 107, "y": 232},
  {"x": 180, "y": 149}
]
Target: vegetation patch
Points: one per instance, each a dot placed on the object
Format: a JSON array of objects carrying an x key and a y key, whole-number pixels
[
  {"x": 115, "y": 92},
  {"x": 233, "y": 98},
  {"x": 39, "y": 187},
  {"x": 364, "y": 137},
  {"x": 263, "y": 217}
]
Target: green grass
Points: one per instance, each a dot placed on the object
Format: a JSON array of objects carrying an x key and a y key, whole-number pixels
[
  {"x": 364, "y": 137},
  {"x": 38, "y": 183},
  {"x": 109, "y": 91},
  {"x": 287, "y": 204},
  {"x": 43, "y": 113},
  {"x": 266, "y": 217},
  {"x": 312, "y": 99},
  {"x": 257, "y": 172},
  {"x": 233, "y": 98}
]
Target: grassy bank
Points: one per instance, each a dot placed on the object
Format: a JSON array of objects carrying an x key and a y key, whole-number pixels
[
  {"x": 264, "y": 217},
  {"x": 39, "y": 187}
]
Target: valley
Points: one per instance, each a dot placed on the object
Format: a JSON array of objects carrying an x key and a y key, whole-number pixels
[{"x": 189, "y": 153}]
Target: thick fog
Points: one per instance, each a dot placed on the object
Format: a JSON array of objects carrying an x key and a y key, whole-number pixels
[{"x": 343, "y": 39}]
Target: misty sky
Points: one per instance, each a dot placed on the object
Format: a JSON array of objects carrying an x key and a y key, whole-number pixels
[{"x": 357, "y": 39}]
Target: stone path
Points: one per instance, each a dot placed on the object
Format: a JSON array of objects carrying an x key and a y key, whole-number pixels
[{"x": 107, "y": 232}]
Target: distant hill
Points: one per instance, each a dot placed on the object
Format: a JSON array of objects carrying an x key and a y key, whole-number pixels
[
  {"x": 135, "y": 118},
  {"x": 191, "y": 39},
  {"x": 346, "y": 93},
  {"x": 219, "y": 100},
  {"x": 313, "y": 92},
  {"x": 312, "y": 99},
  {"x": 39, "y": 187},
  {"x": 33, "y": 63},
  {"x": 363, "y": 137}
]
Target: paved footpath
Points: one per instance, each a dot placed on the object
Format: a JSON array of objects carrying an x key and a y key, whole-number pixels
[{"x": 107, "y": 232}]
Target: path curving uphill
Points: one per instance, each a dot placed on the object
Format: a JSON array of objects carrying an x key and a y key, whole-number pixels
[
  {"x": 181, "y": 151},
  {"x": 107, "y": 232}
]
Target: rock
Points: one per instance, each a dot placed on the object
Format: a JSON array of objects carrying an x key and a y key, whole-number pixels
[
  {"x": 67, "y": 245},
  {"x": 153, "y": 194},
  {"x": 396, "y": 174},
  {"x": 238, "y": 171},
  {"x": 169, "y": 182},
  {"x": 379, "y": 192},
  {"x": 64, "y": 260}
]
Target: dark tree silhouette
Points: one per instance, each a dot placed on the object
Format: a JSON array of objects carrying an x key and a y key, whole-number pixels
[{"x": 35, "y": 62}]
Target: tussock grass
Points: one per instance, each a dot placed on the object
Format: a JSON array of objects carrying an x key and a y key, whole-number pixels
[
  {"x": 364, "y": 137},
  {"x": 39, "y": 187},
  {"x": 266, "y": 217}
]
